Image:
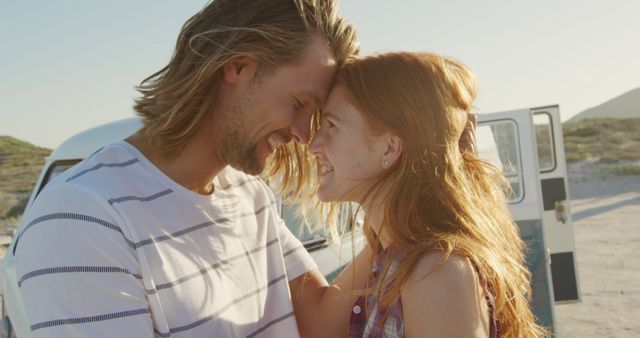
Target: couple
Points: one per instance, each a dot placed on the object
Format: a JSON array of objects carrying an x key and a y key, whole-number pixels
[{"x": 168, "y": 233}]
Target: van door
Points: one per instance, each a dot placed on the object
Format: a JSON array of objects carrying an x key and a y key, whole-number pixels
[
  {"x": 508, "y": 141},
  {"x": 556, "y": 217}
]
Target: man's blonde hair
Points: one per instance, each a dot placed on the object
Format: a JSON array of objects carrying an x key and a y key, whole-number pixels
[{"x": 176, "y": 99}]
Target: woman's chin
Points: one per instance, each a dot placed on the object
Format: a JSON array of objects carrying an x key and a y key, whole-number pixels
[{"x": 325, "y": 196}]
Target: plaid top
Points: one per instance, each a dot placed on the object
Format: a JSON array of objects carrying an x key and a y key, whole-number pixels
[{"x": 367, "y": 313}]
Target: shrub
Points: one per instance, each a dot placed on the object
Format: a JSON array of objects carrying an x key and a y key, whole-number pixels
[
  {"x": 18, "y": 208},
  {"x": 625, "y": 169},
  {"x": 7, "y": 202},
  {"x": 609, "y": 140}
]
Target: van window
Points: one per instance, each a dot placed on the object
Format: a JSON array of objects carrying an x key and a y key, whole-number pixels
[
  {"x": 317, "y": 237},
  {"x": 55, "y": 170},
  {"x": 544, "y": 139},
  {"x": 498, "y": 144},
  {"x": 296, "y": 224}
]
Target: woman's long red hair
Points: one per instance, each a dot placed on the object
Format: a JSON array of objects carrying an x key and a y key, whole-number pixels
[{"x": 437, "y": 197}]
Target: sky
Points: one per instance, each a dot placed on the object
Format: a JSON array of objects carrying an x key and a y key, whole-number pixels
[{"x": 66, "y": 66}]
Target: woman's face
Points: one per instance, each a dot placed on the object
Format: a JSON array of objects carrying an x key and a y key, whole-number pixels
[{"x": 349, "y": 152}]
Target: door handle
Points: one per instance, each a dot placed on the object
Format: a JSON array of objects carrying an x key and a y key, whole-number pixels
[{"x": 561, "y": 211}]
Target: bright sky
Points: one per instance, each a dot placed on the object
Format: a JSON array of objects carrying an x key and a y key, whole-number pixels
[{"x": 69, "y": 65}]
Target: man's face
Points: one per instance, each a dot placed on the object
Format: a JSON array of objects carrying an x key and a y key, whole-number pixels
[{"x": 276, "y": 107}]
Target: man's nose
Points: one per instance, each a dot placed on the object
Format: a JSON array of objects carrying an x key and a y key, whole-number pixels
[
  {"x": 301, "y": 128},
  {"x": 316, "y": 144}
]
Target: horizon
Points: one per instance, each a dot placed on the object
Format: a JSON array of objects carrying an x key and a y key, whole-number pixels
[{"x": 70, "y": 66}]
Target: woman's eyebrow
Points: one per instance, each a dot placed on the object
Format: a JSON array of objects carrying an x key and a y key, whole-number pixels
[
  {"x": 331, "y": 115},
  {"x": 312, "y": 96}
]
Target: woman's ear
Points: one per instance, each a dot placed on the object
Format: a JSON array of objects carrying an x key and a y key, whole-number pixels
[
  {"x": 393, "y": 152},
  {"x": 238, "y": 69}
]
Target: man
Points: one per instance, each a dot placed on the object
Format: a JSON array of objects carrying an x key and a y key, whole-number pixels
[{"x": 166, "y": 233}]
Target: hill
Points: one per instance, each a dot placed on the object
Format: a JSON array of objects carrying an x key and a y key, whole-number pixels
[
  {"x": 626, "y": 105},
  {"x": 609, "y": 145},
  {"x": 20, "y": 164}
]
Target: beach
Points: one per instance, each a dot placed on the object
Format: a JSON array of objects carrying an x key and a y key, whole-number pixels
[{"x": 606, "y": 220}]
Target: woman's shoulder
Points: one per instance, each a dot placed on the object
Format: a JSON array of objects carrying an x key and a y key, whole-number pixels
[
  {"x": 435, "y": 265},
  {"x": 444, "y": 297},
  {"x": 436, "y": 275}
]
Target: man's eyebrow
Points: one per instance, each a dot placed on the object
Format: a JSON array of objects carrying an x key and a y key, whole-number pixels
[{"x": 315, "y": 97}]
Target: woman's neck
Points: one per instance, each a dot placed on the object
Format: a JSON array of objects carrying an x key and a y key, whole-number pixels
[{"x": 374, "y": 213}]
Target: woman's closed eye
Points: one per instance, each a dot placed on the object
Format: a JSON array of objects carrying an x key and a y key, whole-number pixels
[{"x": 326, "y": 123}]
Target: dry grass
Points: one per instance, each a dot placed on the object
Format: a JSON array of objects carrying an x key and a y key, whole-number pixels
[
  {"x": 608, "y": 141},
  {"x": 20, "y": 165}
]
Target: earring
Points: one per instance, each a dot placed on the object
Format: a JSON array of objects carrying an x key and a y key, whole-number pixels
[{"x": 386, "y": 163}]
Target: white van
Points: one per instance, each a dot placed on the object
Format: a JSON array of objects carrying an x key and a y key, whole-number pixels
[
  {"x": 530, "y": 150},
  {"x": 539, "y": 204}
]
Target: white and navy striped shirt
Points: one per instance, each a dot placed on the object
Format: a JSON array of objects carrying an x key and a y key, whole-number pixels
[{"x": 115, "y": 248}]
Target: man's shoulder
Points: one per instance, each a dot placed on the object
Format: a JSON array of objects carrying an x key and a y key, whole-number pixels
[
  {"x": 111, "y": 169},
  {"x": 103, "y": 162}
]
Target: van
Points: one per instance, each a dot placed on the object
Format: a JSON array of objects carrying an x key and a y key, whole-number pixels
[{"x": 526, "y": 144}]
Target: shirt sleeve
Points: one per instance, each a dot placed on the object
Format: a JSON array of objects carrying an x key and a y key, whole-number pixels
[
  {"x": 297, "y": 260},
  {"x": 77, "y": 272}
]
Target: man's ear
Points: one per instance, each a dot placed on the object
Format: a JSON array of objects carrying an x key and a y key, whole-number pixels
[
  {"x": 239, "y": 68},
  {"x": 393, "y": 152}
]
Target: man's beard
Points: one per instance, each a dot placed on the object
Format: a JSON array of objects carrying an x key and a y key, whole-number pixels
[
  {"x": 239, "y": 153},
  {"x": 237, "y": 148}
]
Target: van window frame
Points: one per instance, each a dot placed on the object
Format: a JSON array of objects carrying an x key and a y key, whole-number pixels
[{"x": 47, "y": 176}]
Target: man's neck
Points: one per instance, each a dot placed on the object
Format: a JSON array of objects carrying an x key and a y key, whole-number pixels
[{"x": 194, "y": 167}]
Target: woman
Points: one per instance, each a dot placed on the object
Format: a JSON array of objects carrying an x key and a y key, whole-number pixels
[{"x": 449, "y": 261}]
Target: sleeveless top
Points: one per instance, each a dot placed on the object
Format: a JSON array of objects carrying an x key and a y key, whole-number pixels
[{"x": 367, "y": 314}]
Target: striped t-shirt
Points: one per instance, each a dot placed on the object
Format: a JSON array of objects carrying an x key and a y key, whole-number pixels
[{"x": 115, "y": 248}]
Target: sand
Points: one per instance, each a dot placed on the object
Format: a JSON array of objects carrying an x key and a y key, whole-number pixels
[{"x": 606, "y": 219}]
